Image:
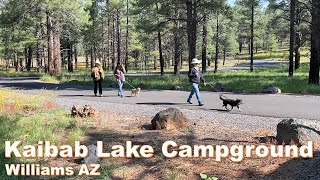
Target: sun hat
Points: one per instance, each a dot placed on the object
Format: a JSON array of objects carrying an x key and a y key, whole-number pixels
[
  {"x": 195, "y": 61},
  {"x": 98, "y": 62}
]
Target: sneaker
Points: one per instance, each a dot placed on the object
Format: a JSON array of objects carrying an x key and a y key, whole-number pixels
[
  {"x": 189, "y": 102},
  {"x": 101, "y": 95},
  {"x": 201, "y": 104}
]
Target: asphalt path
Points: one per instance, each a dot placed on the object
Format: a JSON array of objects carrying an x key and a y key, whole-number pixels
[{"x": 281, "y": 106}]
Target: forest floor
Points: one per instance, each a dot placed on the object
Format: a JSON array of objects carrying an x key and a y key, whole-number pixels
[{"x": 126, "y": 122}]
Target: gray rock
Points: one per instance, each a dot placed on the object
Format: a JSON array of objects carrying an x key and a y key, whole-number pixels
[
  {"x": 170, "y": 119},
  {"x": 176, "y": 88},
  {"x": 298, "y": 132},
  {"x": 92, "y": 157},
  {"x": 271, "y": 89}
]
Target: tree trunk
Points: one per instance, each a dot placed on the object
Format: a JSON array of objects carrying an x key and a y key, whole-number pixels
[
  {"x": 240, "y": 44},
  {"x": 297, "y": 51},
  {"x": 204, "y": 44},
  {"x": 160, "y": 53},
  {"x": 292, "y": 34},
  {"x": 252, "y": 36},
  {"x": 51, "y": 69},
  {"x": 15, "y": 60},
  {"x": 109, "y": 37},
  {"x": 29, "y": 58},
  {"x": 224, "y": 55},
  {"x": 315, "y": 44},
  {"x": 118, "y": 36},
  {"x": 21, "y": 64},
  {"x": 70, "y": 57},
  {"x": 177, "y": 49},
  {"x": 192, "y": 29},
  {"x": 127, "y": 39},
  {"x": 87, "y": 60},
  {"x": 217, "y": 46},
  {"x": 113, "y": 44},
  {"x": 92, "y": 57},
  {"x": 57, "y": 52},
  {"x": 76, "y": 56}
]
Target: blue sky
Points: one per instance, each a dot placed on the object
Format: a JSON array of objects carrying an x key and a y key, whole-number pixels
[
  {"x": 265, "y": 3},
  {"x": 232, "y": 1}
]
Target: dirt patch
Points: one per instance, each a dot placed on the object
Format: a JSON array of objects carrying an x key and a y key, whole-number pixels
[{"x": 118, "y": 127}]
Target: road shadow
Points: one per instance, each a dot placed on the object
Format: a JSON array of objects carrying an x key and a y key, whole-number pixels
[
  {"x": 220, "y": 110},
  {"x": 161, "y": 103},
  {"x": 293, "y": 169}
]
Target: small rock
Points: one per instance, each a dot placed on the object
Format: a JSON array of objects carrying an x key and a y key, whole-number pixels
[
  {"x": 298, "y": 132},
  {"x": 85, "y": 111},
  {"x": 170, "y": 119},
  {"x": 76, "y": 111},
  {"x": 271, "y": 89},
  {"x": 176, "y": 88}
]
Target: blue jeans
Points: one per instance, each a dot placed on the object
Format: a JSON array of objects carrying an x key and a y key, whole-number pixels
[
  {"x": 195, "y": 90},
  {"x": 120, "y": 84}
]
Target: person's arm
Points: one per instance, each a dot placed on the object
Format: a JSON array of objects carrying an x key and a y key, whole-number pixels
[
  {"x": 192, "y": 73},
  {"x": 202, "y": 80},
  {"x": 124, "y": 69},
  {"x": 102, "y": 73}
]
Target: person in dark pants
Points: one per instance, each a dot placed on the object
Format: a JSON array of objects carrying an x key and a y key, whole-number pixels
[
  {"x": 195, "y": 78},
  {"x": 97, "y": 75}
]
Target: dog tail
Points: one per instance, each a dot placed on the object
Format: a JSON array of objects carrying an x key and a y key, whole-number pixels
[{"x": 222, "y": 97}]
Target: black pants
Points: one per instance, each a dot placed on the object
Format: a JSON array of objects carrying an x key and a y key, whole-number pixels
[{"x": 96, "y": 84}]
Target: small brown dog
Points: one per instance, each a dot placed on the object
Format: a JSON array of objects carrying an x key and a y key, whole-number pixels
[{"x": 135, "y": 92}]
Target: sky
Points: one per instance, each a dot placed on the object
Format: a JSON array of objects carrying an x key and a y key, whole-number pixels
[{"x": 233, "y": 1}]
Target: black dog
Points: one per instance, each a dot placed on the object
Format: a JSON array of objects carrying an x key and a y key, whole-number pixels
[{"x": 231, "y": 102}]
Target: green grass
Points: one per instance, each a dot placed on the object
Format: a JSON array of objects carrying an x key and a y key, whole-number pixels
[
  {"x": 31, "y": 119},
  {"x": 235, "y": 81},
  {"x": 280, "y": 55}
]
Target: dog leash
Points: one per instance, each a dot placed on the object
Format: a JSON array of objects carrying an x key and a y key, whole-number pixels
[
  {"x": 129, "y": 84},
  {"x": 212, "y": 87}
]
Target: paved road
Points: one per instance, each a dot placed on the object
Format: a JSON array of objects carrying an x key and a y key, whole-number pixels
[
  {"x": 245, "y": 66},
  {"x": 283, "y": 106}
]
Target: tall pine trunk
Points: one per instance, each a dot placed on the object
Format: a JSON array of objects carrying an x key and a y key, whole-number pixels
[
  {"x": 177, "y": 49},
  {"x": 75, "y": 56},
  {"x": 118, "y": 36},
  {"x": 29, "y": 58},
  {"x": 160, "y": 53},
  {"x": 127, "y": 39},
  {"x": 315, "y": 44},
  {"x": 217, "y": 45},
  {"x": 70, "y": 57},
  {"x": 113, "y": 44},
  {"x": 192, "y": 29},
  {"x": 51, "y": 69},
  {"x": 252, "y": 37},
  {"x": 204, "y": 44},
  {"x": 292, "y": 34}
]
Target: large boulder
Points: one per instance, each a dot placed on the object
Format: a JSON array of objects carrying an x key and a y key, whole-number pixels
[
  {"x": 170, "y": 119},
  {"x": 298, "y": 132},
  {"x": 271, "y": 89}
]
